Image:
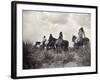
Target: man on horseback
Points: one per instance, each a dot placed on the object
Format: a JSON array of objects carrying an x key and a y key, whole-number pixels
[
  {"x": 51, "y": 42},
  {"x": 81, "y": 40},
  {"x": 59, "y": 42},
  {"x": 60, "y": 36},
  {"x": 81, "y": 34},
  {"x": 50, "y": 38},
  {"x": 44, "y": 42},
  {"x": 60, "y": 39}
]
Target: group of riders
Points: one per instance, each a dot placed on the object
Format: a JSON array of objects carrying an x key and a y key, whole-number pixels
[
  {"x": 50, "y": 38},
  {"x": 76, "y": 40}
]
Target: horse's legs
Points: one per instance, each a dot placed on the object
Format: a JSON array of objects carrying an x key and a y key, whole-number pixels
[{"x": 59, "y": 49}]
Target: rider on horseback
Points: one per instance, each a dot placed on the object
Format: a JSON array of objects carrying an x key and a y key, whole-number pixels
[
  {"x": 60, "y": 39},
  {"x": 82, "y": 40},
  {"x": 44, "y": 41},
  {"x": 60, "y": 36},
  {"x": 81, "y": 34},
  {"x": 50, "y": 38}
]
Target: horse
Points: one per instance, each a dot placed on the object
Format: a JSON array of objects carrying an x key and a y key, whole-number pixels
[
  {"x": 37, "y": 44},
  {"x": 85, "y": 41},
  {"x": 40, "y": 45},
  {"x": 51, "y": 43},
  {"x": 54, "y": 43},
  {"x": 62, "y": 44}
]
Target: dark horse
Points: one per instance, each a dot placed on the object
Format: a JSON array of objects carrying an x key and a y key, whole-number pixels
[
  {"x": 84, "y": 41},
  {"x": 62, "y": 45},
  {"x": 37, "y": 44},
  {"x": 51, "y": 42},
  {"x": 56, "y": 43}
]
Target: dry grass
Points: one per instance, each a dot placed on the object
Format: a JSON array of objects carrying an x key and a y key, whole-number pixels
[{"x": 35, "y": 58}]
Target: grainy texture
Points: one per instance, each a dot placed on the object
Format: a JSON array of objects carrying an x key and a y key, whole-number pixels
[{"x": 35, "y": 58}]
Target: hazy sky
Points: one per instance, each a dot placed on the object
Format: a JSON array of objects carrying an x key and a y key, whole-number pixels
[{"x": 37, "y": 24}]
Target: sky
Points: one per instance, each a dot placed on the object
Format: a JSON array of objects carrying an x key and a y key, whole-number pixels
[{"x": 36, "y": 24}]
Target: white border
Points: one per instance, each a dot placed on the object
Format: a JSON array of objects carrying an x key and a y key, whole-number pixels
[{"x": 35, "y": 72}]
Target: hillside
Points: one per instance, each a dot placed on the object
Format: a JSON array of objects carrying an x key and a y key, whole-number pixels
[{"x": 35, "y": 58}]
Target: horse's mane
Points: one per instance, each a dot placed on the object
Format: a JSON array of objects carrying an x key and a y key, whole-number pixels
[{"x": 52, "y": 38}]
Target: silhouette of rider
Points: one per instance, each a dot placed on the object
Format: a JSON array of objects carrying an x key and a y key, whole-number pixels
[
  {"x": 60, "y": 39},
  {"x": 60, "y": 36},
  {"x": 81, "y": 34},
  {"x": 50, "y": 37},
  {"x": 44, "y": 40}
]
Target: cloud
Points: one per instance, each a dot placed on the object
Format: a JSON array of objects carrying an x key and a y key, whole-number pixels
[
  {"x": 83, "y": 19},
  {"x": 55, "y": 18},
  {"x": 37, "y": 24}
]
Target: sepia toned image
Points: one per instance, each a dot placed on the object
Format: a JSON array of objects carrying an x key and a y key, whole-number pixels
[{"x": 56, "y": 39}]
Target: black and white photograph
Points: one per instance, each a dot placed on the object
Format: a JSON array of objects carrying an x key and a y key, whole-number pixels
[
  {"x": 53, "y": 39},
  {"x": 56, "y": 39}
]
